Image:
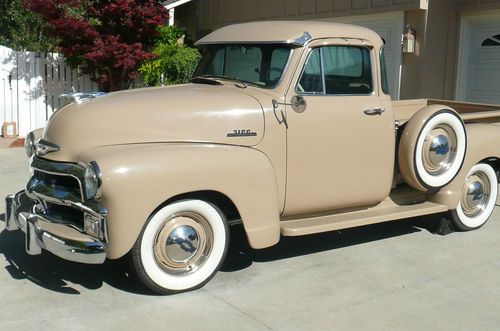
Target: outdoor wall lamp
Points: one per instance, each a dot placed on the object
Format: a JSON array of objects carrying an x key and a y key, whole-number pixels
[{"x": 409, "y": 39}]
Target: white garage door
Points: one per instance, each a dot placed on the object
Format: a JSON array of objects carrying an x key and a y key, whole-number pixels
[
  {"x": 479, "y": 65},
  {"x": 390, "y": 27}
]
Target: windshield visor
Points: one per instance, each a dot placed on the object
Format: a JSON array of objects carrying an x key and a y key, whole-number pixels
[{"x": 261, "y": 65}]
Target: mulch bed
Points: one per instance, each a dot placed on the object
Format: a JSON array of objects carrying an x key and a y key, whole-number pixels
[{"x": 17, "y": 143}]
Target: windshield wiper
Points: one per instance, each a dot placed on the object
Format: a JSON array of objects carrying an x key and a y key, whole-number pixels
[
  {"x": 205, "y": 80},
  {"x": 213, "y": 78}
]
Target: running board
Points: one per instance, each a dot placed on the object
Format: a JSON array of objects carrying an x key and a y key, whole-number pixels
[{"x": 378, "y": 214}]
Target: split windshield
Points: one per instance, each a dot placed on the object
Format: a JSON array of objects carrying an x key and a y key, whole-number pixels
[{"x": 261, "y": 65}]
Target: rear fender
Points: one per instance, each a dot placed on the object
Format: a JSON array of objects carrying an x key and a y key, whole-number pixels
[{"x": 482, "y": 144}]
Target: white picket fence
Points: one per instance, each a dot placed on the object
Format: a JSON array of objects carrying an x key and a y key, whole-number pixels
[{"x": 30, "y": 86}]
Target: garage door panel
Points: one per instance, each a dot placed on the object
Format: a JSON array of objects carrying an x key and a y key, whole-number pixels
[
  {"x": 484, "y": 80},
  {"x": 485, "y": 55}
]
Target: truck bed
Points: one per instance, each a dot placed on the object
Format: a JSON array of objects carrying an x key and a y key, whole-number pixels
[{"x": 470, "y": 112}]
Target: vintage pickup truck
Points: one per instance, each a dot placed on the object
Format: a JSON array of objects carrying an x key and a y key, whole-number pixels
[{"x": 287, "y": 128}]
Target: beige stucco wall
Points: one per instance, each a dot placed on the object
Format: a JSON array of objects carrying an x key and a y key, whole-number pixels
[
  {"x": 215, "y": 13},
  {"x": 186, "y": 18},
  {"x": 432, "y": 71},
  {"x": 429, "y": 72}
]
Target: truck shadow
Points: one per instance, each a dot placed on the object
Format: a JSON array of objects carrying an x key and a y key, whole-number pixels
[
  {"x": 241, "y": 256},
  {"x": 58, "y": 275},
  {"x": 55, "y": 274}
]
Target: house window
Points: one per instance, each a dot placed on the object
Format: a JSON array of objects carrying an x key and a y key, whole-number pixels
[{"x": 492, "y": 41}]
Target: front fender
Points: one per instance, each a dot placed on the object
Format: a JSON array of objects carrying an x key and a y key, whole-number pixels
[
  {"x": 482, "y": 143},
  {"x": 139, "y": 178}
]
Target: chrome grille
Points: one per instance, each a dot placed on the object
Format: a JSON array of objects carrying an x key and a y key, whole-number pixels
[
  {"x": 53, "y": 181},
  {"x": 65, "y": 215},
  {"x": 57, "y": 187}
]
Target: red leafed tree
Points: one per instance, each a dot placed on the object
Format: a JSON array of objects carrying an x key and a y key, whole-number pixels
[{"x": 107, "y": 39}]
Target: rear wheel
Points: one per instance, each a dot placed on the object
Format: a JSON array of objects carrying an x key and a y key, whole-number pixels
[
  {"x": 477, "y": 199},
  {"x": 181, "y": 247}
]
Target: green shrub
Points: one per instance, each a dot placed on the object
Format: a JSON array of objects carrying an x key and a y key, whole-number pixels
[{"x": 175, "y": 61}]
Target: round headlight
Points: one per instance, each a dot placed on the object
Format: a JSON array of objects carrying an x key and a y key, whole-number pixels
[
  {"x": 30, "y": 145},
  {"x": 93, "y": 181}
]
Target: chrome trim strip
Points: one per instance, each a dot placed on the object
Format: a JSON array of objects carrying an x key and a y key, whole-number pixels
[{"x": 322, "y": 69}]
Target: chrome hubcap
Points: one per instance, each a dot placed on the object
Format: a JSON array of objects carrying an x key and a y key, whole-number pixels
[
  {"x": 475, "y": 194},
  {"x": 183, "y": 243},
  {"x": 439, "y": 150}
]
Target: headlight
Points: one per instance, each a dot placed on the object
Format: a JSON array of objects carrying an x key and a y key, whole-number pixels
[
  {"x": 30, "y": 145},
  {"x": 93, "y": 181}
]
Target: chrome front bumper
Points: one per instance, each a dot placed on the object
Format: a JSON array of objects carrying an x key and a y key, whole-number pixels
[{"x": 51, "y": 234}]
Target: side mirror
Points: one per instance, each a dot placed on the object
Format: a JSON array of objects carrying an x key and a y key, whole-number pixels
[{"x": 298, "y": 103}]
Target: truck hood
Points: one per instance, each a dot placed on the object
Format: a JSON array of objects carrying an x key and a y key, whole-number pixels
[{"x": 183, "y": 113}]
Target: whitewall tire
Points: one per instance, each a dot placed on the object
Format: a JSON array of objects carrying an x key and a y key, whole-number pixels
[
  {"x": 181, "y": 247},
  {"x": 477, "y": 199},
  {"x": 440, "y": 150}
]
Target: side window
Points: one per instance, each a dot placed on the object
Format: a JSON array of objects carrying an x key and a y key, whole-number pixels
[
  {"x": 347, "y": 70},
  {"x": 311, "y": 80},
  {"x": 337, "y": 70}
]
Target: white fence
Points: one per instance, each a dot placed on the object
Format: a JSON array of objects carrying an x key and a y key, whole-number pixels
[{"x": 30, "y": 85}]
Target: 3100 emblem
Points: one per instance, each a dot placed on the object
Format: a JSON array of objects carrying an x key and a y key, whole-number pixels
[{"x": 242, "y": 133}]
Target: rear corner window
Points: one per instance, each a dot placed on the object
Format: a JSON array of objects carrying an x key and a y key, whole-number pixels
[{"x": 383, "y": 72}]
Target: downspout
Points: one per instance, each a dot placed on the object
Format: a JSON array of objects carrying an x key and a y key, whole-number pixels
[{"x": 171, "y": 18}]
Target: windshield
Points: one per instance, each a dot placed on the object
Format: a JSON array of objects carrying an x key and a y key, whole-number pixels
[{"x": 260, "y": 65}]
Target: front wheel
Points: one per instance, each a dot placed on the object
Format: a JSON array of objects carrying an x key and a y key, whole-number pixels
[
  {"x": 181, "y": 247},
  {"x": 477, "y": 199}
]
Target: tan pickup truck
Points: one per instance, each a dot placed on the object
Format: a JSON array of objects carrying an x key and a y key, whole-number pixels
[{"x": 287, "y": 127}]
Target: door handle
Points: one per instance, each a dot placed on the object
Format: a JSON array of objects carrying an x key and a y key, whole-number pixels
[{"x": 374, "y": 111}]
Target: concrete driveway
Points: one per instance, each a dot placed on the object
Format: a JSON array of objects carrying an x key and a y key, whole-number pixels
[{"x": 393, "y": 276}]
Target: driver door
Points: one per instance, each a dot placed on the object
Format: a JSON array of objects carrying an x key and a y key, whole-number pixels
[{"x": 340, "y": 150}]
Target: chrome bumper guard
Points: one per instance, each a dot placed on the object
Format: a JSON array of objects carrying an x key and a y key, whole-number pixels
[{"x": 51, "y": 234}]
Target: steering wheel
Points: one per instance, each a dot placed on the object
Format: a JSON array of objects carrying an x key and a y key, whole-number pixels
[{"x": 279, "y": 71}]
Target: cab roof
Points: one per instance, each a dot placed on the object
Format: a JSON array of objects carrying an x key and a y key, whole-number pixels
[{"x": 288, "y": 32}]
